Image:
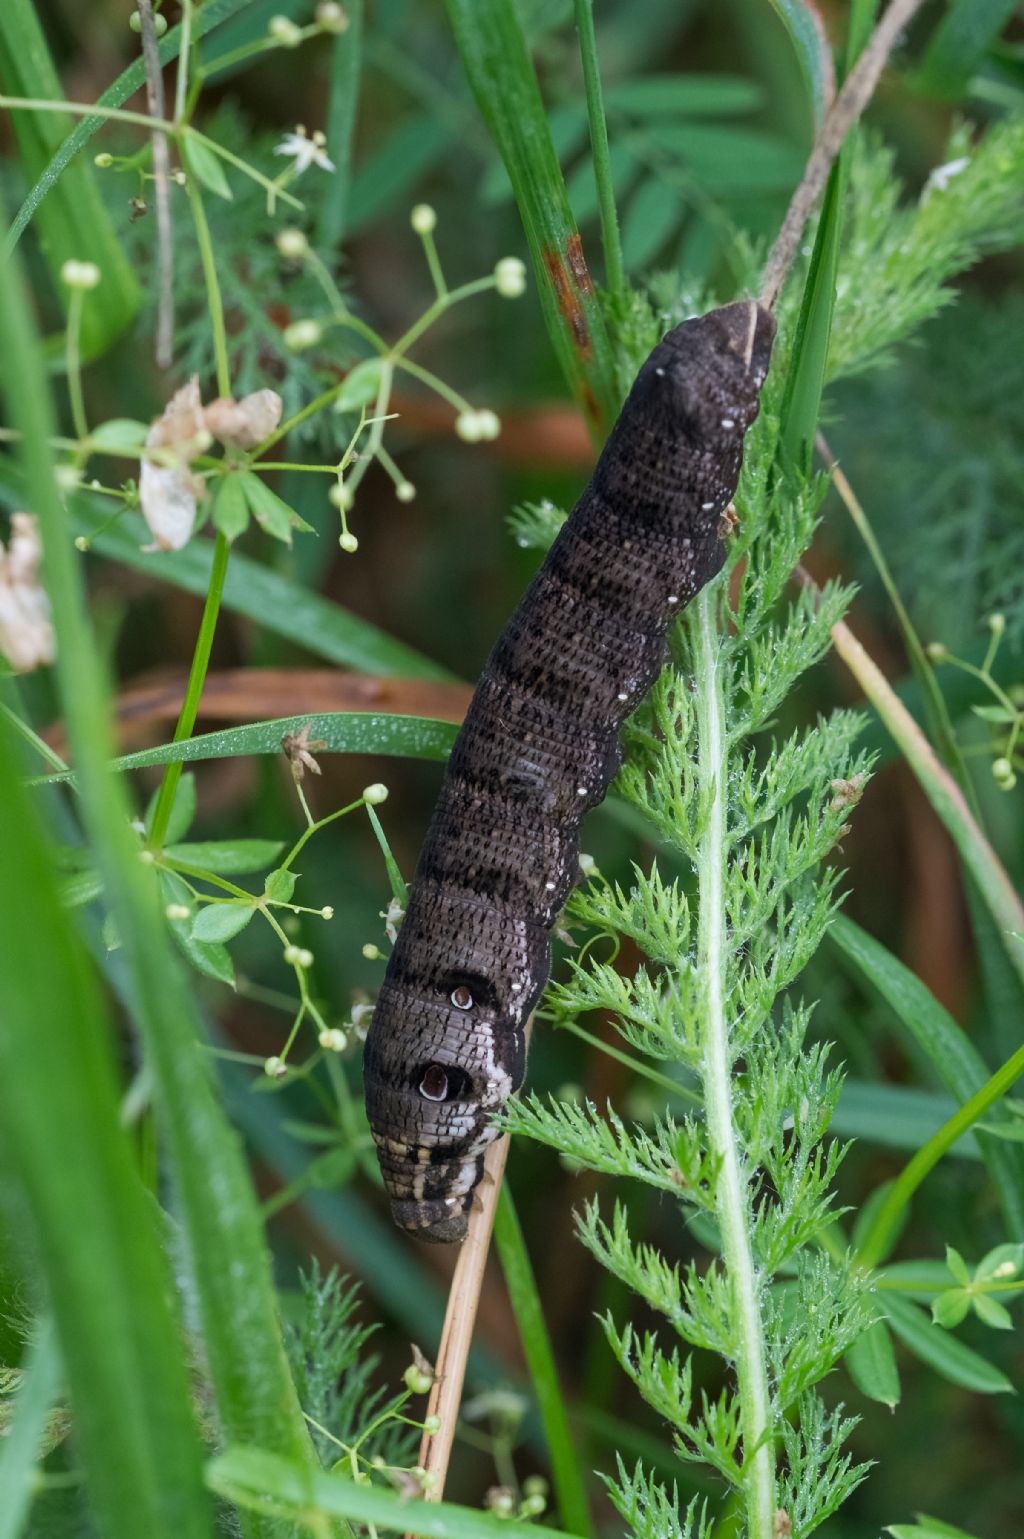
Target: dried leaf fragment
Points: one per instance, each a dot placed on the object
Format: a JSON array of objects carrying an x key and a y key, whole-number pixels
[{"x": 26, "y": 629}]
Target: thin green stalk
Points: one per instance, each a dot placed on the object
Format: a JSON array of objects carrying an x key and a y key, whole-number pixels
[
  {"x": 73, "y": 359},
  {"x": 533, "y": 1333},
  {"x": 181, "y": 90},
  {"x": 885, "y": 1228},
  {"x": 214, "y": 301},
  {"x": 733, "y": 1191},
  {"x": 614, "y": 271},
  {"x": 194, "y": 689}
]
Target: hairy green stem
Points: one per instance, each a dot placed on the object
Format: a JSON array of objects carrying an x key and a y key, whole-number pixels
[
  {"x": 613, "y": 266},
  {"x": 194, "y": 689},
  {"x": 733, "y": 1201}
]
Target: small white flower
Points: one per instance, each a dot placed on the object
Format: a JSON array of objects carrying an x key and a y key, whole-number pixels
[
  {"x": 423, "y": 219},
  {"x": 510, "y": 277},
  {"x": 306, "y": 150},
  {"x": 274, "y": 1068},
  {"x": 302, "y": 334},
  {"x": 340, "y": 495},
  {"x": 405, "y": 491},
  {"x": 348, "y": 542},
  {"x": 26, "y": 630},
  {"x": 375, "y": 794},
  {"x": 392, "y": 919}
]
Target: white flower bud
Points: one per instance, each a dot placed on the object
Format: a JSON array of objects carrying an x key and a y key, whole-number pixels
[
  {"x": 302, "y": 334},
  {"x": 80, "y": 275},
  {"x": 327, "y": 912},
  {"x": 375, "y": 794},
  {"x": 275, "y": 1068},
  {"x": 177, "y": 911},
  {"x": 341, "y": 496},
  {"x": 371, "y": 952},
  {"x": 510, "y": 277},
  {"x": 405, "y": 491},
  {"x": 291, "y": 243},
  {"x": 997, "y": 623},
  {"x": 333, "y": 1039},
  {"x": 159, "y": 23},
  {"x": 103, "y": 160},
  {"x": 423, "y": 219},
  {"x": 285, "y": 32},
  {"x": 348, "y": 542},
  {"x": 330, "y": 17}
]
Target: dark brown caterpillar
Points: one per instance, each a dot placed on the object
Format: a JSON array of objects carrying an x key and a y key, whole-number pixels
[{"x": 538, "y": 748}]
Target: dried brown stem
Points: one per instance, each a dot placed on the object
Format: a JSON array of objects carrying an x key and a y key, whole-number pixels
[
  {"x": 162, "y": 189},
  {"x": 857, "y": 90},
  {"x": 459, "y": 1320}
]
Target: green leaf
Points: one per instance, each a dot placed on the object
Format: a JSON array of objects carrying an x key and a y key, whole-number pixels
[
  {"x": 654, "y": 212},
  {"x": 272, "y": 515},
  {"x": 249, "y": 1476},
  {"x": 82, "y": 887},
  {"x": 957, "y": 1267},
  {"x": 942, "y": 1352},
  {"x": 119, "y": 1338},
  {"x": 277, "y": 606},
  {"x": 339, "y": 125},
  {"x": 279, "y": 886},
  {"x": 959, "y": 44},
  {"x": 1005, "y": 1261},
  {"x": 927, "y": 1528},
  {"x": 74, "y": 223},
  {"x": 496, "y": 62},
  {"x": 121, "y": 435},
  {"x": 230, "y": 509},
  {"x": 203, "y": 164},
  {"x": 1010, "y": 1132},
  {"x": 936, "y": 1033},
  {"x": 1000, "y": 714},
  {"x": 412, "y": 737},
  {"x": 221, "y": 921},
  {"x": 991, "y": 1312},
  {"x": 951, "y": 1307},
  {"x": 803, "y": 23},
  {"x": 227, "y": 857},
  {"x": 24, "y": 1441},
  {"x": 390, "y": 171},
  {"x": 183, "y": 808},
  {"x": 566, "y": 1465},
  {"x": 360, "y": 385},
  {"x": 685, "y": 96},
  {"x": 872, "y": 1364}
]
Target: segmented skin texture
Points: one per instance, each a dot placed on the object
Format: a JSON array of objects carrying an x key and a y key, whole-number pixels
[{"x": 537, "y": 750}]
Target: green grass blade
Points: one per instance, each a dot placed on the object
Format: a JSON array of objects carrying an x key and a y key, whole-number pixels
[
  {"x": 253, "y": 1478},
  {"x": 805, "y": 380},
  {"x": 570, "y": 1493},
  {"x": 409, "y": 737},
  {"x": 889, "y": 1217},
  {"x": 276, "y": 604},
  {"x": 951, "y": 1053},
  {"x": 109, "y": 1288},
  {"x": 74, "y": 224},
  {"x": 225, "y": 1246},
  {"x": 959, "y": 43},
  {"x": 814, "y": 56},
  {"x": 500, "y": 72},
  {"x": 345, "y": 73},
  {"x": 24, "y": 1440},
  {"x": 943, "y": 1352},
  {"x": 127, "y": 83}
]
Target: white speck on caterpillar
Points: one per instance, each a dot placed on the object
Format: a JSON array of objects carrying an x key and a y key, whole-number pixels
[
  {"x": 706, "y": 507},
  {"x": 581, "y": 790},
  {"x": 673, "y": 598},
  {"x": 622, "y": 695},
  {"x": 728, "y": 422},
  {"x": 660, "y": 373},
  {"x": 549, "y": 886}
]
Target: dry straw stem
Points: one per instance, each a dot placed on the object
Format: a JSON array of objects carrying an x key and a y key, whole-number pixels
[
  {"x": 459, "y": 1320},
  {"x": 938, "y": 785},
  {"x": 162, "y": 190},
  {"x": 854, "y": 96}
]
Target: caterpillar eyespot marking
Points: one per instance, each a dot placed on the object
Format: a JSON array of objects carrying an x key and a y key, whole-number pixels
[{"x": 538, "y": 745}]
